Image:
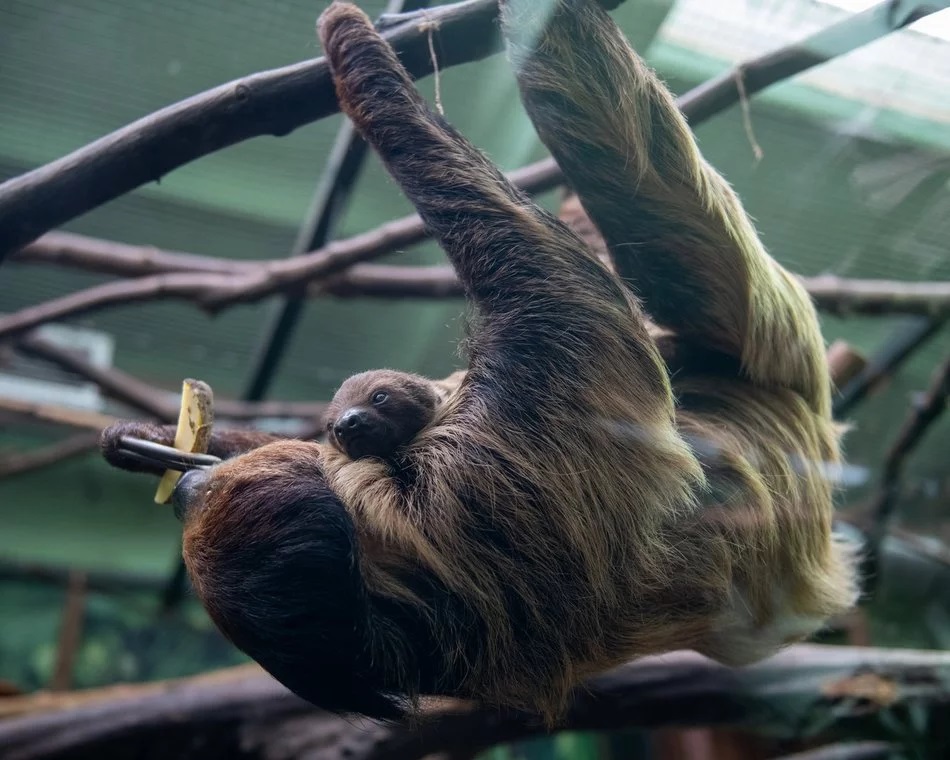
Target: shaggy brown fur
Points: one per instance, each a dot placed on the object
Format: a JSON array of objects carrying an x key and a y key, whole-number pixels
[
  {"x": 375, "y": 413},
  {"x": 571, "y": 507}
]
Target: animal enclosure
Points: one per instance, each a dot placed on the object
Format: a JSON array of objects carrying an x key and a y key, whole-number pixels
[{"x": 118, "y": 296}]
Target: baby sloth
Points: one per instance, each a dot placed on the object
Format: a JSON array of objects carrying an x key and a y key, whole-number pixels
[{"x": 375, "y": 413}]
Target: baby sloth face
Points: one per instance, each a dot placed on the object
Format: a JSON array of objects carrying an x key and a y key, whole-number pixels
[{"x": 375, "y": 413}]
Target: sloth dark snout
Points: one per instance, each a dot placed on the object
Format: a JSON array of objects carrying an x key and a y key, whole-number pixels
[
  {"x": 351, "y": 423},
  {"x": 188, "y": 492}
]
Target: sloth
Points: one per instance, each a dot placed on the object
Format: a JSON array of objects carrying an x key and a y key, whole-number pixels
[
  {"x": 378, "y": 412},
  {"x": 575, "y": 504}
]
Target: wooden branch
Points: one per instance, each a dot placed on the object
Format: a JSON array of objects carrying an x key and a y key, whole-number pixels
[
  {"x": 923, "y": 412},
  {"x": 335, "y": 270},
  {"x": 215, "y": 291},
  {"x": 74, "y": 446},
  {"x": 70, "y": 634},
  {"x": 848, "y": 751},
  {"x": 805, "y": 691},
  {"x": 112, "y": 382},
  {"x": 68, "y": 249},
  {"x": 106, "y": 581},
  {"x": 57, "y": 415},
  {"x": 150, "y": 400},
  {"x": 844, "y": 363},
  {"x": 906, "y": 340},
  {"x": 840, "y": 295},
  {"x": 269, "y": 103},
  {"x": 277, "y": 102},
  {"x": 876, "y": 517},
  {"x": 837, "y": 295}
]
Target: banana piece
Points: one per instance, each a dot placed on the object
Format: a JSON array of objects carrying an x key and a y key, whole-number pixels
[{"x": 193, "y": 434}]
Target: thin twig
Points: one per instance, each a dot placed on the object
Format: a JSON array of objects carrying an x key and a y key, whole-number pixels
[
  {"x": 70, "y": 632},
  {"x": 924, "y": 411},
  {"x": 431, "y": 27}
]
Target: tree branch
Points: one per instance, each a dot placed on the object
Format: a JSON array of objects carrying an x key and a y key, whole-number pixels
[
  {"x": 70, "y": 633},
  {"x": 334, "y": 270},
  {"x": 56, "y": 415},
  {"x": 278, "y": 101},
  {"x": 74, "y": 446},
  {"x": 146, "y": 398},
  {"x": 907, "y": 339},
  {"x": 268, "y": 103},
  {"x": 105, "y": 581},
  {"x": 805, "y": 691},
  {"x": 921, "y": 416}
]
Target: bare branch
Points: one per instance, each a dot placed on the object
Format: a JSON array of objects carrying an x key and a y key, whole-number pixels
[
  {"x": 334, "y": 270},
  {"x": 154, "y": 402},
  {"x": 277, "y": 102},
  {"x": 106, "y": 581},
  {"x": 57, "y": 415},
  {"x": 70, "y": 633},
  {"x": 213, "y": 291},
  {"x": 844, "y": 363},
  {"x": 840, "y": 295},
  {"x": 877, "y": 515},
  {"x": 108, "y": 257},
  {"x": 74, "y": 446},
  {"x": 113, "y": 382},
  {"x": 268, "y": 103},
  {"x": 908, "y": 338},
  {"x": 805, "y": 691}
]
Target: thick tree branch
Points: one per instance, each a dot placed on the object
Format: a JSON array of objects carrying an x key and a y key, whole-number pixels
[
  {"x": 268, "y": 103},
  {"x": 806, "y": 690},
  {"x": 277, "y": 102}
]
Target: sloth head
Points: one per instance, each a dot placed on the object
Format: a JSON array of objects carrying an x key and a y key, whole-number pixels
[
  {"x": 374, "y": 413},
  {"x": 274, "y": 557}
]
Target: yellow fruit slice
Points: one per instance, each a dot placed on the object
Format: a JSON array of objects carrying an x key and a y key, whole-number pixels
[{"x": 193, "y": 434}]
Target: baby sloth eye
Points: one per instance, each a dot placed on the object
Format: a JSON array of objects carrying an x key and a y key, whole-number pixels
[{"x": 379, "y": 397}]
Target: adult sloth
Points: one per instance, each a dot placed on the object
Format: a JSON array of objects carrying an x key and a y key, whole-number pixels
[{"x": 569, "y": 508}]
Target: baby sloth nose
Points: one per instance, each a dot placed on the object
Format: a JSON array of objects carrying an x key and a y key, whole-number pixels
[{"x": 350, "y": 423}]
